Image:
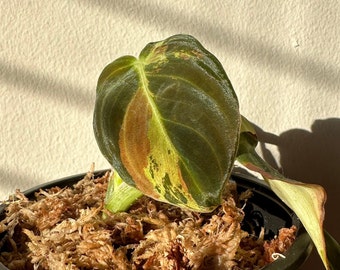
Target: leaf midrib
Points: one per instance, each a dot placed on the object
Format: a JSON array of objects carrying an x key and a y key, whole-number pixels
[{"x": 139, "y": 65}]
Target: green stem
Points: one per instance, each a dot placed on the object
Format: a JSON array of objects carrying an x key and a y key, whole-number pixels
[
  {"x": 251, "y": 158},
  {"x": 306, "y": 200},
  {"x": 120, "y": 196}
]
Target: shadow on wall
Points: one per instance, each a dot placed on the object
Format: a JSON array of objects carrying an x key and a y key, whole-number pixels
[
  {"x": 147, "y": 13},
  {"x": 312, "y": 157},
  {"x": 36, "y": 82},
  {"x": 309, "y": 157}
]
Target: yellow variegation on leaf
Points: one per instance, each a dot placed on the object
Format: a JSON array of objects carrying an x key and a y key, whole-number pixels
[{"x": 169, "y": 122}]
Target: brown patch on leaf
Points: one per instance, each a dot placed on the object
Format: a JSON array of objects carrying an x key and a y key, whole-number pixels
[{"x": 134, "y": 143}]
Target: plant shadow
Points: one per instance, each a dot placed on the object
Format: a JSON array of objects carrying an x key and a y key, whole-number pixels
[
  {"x": 313, "y": 157},
  {"x": 226, "y": 38}
]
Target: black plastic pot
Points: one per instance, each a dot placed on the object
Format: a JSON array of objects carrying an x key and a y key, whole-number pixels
[{"x": 263, "y": 209}]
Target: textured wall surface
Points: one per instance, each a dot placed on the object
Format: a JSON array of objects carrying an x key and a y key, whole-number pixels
[{"x": 282, "y": 58}]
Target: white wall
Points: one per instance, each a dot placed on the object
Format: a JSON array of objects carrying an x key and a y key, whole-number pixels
[{"x": 281, "y": 56}]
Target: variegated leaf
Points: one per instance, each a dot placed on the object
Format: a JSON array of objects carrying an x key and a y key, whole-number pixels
[{"x": 169, "y": 122}]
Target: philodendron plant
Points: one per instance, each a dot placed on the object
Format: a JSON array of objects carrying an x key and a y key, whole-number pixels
[{"x": 169, "y": 124}]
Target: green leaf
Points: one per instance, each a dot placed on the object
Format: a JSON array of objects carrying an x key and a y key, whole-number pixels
[
  {"x": 333, "y": 251},
  {"x": 169, "y": 122},
  {"x": 120, "y": 196},
  {"x": 306, "y": 200}
]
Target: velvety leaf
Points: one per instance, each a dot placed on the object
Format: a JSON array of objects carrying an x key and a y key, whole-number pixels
[
  {"x": 306, "y": 200},
  {"x": 169, "y": 123}
]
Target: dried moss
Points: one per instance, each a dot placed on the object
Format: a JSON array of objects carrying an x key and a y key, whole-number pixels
[{"x": 70, "y": 229}]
